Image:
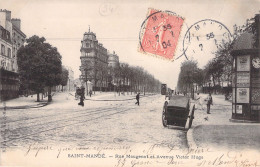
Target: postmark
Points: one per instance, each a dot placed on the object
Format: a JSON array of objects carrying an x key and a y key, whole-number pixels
[
  {"x": 204, "y": 37},
  {"x": 160, "y": 33}
]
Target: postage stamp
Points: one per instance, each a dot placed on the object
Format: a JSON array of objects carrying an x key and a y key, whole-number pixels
[{"x": 160, "y": 33}]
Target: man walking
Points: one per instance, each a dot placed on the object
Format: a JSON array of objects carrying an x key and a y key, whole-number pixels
[
  {"x": 82, "y": 96},
  {"x": 137, "y": 98},
  {"x": 90, "y": 93},
  {"x": 209, "y": 102}
]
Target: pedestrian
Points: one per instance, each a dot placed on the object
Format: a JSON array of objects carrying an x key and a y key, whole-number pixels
[
  {"x": 82, "y": 96},
  {"x": 90, "y": 93},
  {"x": 137, "y": 98},
  {"x": 209, "y": 102},
  {"x": 198, "y": 100}
]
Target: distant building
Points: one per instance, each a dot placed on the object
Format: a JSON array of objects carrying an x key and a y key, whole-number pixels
[
  {"x": 94, "y": 62},
  {"x": 113, "y": 60},
  {"x": 113, "y": 64},
  {"x": 70, "y": 83},
  {"x": 11, "y": 39}
]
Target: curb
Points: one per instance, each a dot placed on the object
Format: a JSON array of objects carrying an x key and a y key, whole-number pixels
[
  {"x": 39, "y": 105},
  {"x": 242, "y": 121},
  {"x": 190, "y": 140},
  {"x": 26, "y": 106}
]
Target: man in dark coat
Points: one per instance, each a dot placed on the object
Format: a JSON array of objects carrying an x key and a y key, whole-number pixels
[
  {"x": 137, "y": 98},
  {"x": 82, "y": 97},
  {"x": 209, "y": 102}
]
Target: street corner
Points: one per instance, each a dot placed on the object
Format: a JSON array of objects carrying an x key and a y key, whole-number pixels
[
  {"x": 159, "y": 34},
  {"x": 190, "y": 137},
  {"x": 232, "y": 137}
]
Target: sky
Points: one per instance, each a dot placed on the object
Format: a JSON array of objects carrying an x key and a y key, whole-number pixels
[{"x": 117, "y": 24}]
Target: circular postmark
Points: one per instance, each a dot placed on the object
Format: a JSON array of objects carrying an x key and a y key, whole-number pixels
[
  {"x": 159, "y": 33},
  {"x": 204, "y": 37}
]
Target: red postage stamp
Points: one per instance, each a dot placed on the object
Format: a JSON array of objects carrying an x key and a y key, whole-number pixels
[{"x": 159, "y": 34}]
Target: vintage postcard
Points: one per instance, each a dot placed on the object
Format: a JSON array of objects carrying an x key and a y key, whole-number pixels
[{"x": 132, "y": 83}]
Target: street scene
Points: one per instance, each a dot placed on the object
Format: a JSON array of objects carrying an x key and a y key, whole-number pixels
[{"x": 166, "y": 88}]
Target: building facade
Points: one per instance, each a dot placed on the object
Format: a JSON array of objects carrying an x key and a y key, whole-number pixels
[
  {"x": 9, "y": 32},
  {"x": 94, "y": 62},
  {"x": 18, "y": 39}
]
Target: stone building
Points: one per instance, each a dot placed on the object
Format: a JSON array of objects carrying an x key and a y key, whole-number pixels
[
  {"x": 94, "y": 62},
  {"x": 6, "y": 57},
  {"x": 113, "y": 64},
  {"x": 113, "y": 60},
  {"x": 11, "y": 38},
  {"x": 18, "y": 39}
]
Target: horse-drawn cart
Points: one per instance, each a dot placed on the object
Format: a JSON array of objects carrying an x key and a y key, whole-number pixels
[{"x": 178, "y": 111}]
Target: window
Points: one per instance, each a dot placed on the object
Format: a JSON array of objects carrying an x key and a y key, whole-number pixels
[
  {"x": 8, "y": 35},
  {"x": 3, "y": 64},
  {"x": 87, "y": 45},
  {"x": 9, "y": 52},
  {"x": 2, "y": 49}
]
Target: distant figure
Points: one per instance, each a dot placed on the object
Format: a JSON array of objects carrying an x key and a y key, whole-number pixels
[
  {"x": 209, "y": 102},
  {"x": 90, "y": 93},
  {"x": 198, "y": 99},
  {"x": 137, "y": 98},
  {"x": 82, "y": 96}
]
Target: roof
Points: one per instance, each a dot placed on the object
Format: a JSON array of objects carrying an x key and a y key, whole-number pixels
[
  {"x": 244, "y": 41},
  {"x": 178, "y": 101},
  {"x": 19, "y": 31}
]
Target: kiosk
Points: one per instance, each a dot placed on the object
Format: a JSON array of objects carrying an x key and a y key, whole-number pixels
[{"x": 246, "y": 78}]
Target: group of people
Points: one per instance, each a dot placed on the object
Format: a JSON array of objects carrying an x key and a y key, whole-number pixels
[
  {"x": 200, "y": 101},
  {"x": 81, "y": 93}
]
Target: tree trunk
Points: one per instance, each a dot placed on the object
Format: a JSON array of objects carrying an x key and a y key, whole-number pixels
[
  {"x": 38, "y": 97},
  {"x": 62, "y": 88},
  {"x": 49, "y": 94}
]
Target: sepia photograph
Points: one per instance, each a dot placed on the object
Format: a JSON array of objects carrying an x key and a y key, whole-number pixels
[{"x": 129, "y": 83}]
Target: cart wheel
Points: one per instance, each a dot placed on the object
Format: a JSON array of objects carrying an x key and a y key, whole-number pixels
[
  {"x": 164, "y": 120},
  {"x": 191, "y": 116}
]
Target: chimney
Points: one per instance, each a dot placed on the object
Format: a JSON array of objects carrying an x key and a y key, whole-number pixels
[
  {"x": 257, "y": 22},
  {"x": 7, "y": 14},
  {"x": 16, "y": 23}
]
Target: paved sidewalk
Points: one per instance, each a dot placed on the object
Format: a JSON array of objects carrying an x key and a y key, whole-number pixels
[
  {"x": 215, "y": 129},
  {"x": 24, "y": 102}
]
